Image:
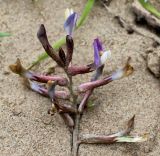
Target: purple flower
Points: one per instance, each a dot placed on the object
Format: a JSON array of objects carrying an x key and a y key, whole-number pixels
[
  {"x": 100, "y": 55},
  {"x": 70, "y": 23}
]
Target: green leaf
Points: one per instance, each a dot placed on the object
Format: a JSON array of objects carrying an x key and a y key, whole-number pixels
[
  {"x": 62, "y": 41},
  {"x": 149, "y": 7},
  {"x": 86, "y": 11},
  {"x": 2, "y": 34}
]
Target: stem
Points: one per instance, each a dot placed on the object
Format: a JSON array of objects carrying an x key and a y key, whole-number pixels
[
  {"x": 98, "y": 139},
  {"x": 70, "y": 87},
  {"x": 75, "y": 136},
  {"x": 84, "y": 101}
]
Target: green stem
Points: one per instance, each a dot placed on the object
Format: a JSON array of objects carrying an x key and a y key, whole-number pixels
[
  {"x": 62, "y": 41},
  {"x": 149, "y": 7}
]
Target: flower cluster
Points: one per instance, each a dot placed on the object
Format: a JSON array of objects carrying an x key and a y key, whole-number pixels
[{"x": 69, "y": 108}]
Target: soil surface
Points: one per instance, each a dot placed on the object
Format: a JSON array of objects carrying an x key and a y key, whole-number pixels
[{"x": 25, "y": 127}]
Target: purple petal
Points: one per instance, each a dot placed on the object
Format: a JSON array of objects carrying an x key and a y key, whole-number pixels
[
  {"x": 99, "y": 44},
  {"x": 70, "y": 23},
  {"x": 37, "y": 88},
  {"x": 96, "y": 53}
]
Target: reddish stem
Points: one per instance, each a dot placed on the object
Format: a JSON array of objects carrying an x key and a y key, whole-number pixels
[
  {"x": 44, "y": 79},
  {"x": 94, "y": 84},
  {"x": 75, "y": 70},
  {"x": 84, "y": 101}
]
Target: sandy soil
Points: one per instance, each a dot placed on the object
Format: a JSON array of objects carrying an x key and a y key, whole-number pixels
[{"x": 25, "y": 127}]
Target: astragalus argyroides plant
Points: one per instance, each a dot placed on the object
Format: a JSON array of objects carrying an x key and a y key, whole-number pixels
[{"x": 66, "y": 101}]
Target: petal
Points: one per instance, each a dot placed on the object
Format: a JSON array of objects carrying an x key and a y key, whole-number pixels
[
  {"x": 96, "y": 53},
  {"x": 99, "y": 44},
  {"x": 68, "y": 12},
  {"x": 126, "y": 71},
  {"x": 98, "y": 73},
  {"x": 37, "y": 87},
  {"x": 131, "y": 139},
  {"x": 105, "y": 56},
  {"x": 70, "y": 23},
  {"x": 118, "y": 74}
]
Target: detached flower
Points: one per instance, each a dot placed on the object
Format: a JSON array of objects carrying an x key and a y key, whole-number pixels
[
  {"x": 70, "y": 23},
  {"x": 100, "y": 56}
]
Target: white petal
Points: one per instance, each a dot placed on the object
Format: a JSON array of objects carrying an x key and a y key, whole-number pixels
[
  {"x": 34, "y": 86},
  {"x": 131, "y": 139},
  {"x": 118, "y": 74},
  {"x": 28, "y": 75},
  {"x": 71, "y": 11},
  {"x": 68, "y": 12},
  {"x": 105, "y": 56}
]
